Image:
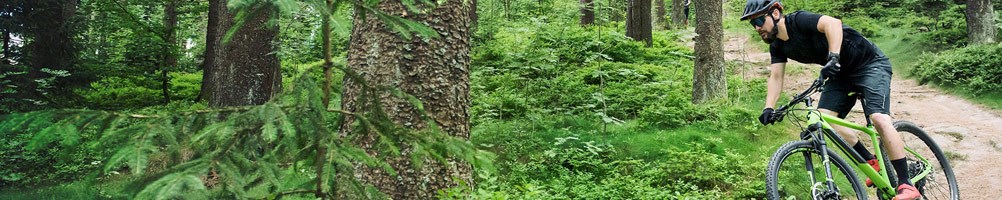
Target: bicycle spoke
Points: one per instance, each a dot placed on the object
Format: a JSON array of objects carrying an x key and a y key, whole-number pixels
[
  {"x": 939, "y": 183},
  {"x": 792, "y": 177}
]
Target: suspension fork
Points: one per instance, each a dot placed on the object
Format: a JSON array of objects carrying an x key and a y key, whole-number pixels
[
  {"x": 827, "y": 160},
  {"x": 815, "y": 131}
]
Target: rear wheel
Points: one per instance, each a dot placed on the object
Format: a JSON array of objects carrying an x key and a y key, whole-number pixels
[
  {"x": 789, "y": 177},
  {"x": 940, "y": 183}
]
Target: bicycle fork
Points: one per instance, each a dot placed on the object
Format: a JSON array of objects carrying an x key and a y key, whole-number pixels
[{"x": 814, "y": 131}]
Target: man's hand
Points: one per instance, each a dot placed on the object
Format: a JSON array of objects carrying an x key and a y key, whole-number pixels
[
  {"x": 767, "y": 116},
  {"x": 832, "y": 67}
]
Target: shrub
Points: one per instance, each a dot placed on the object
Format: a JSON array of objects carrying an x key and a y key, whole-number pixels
[
  {"x": 23, "y": 168},
  {"x": 124, "y": 93},
  {"x": 573, "y": 70},
  {"x": 949, "y": 29},
  {"x": 972, "y": 69},
  {"x": 576, "y": 169}
]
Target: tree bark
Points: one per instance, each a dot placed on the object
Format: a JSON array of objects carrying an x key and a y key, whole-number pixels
[
  {"x": 435, "y": 71},
  {"x": 473, "y": 14},
  {"x": 659, "y": 15},
  {"x": 709, "y": 76},
  {"x": 616, "y": 9},
  {"x": 328, "y": 61},
  {"x": 212, "y": 37},
  {"x": 677, "y": 14},
  {"x": 638, "y": 21},
  {"x": 247, "y": 72},
  {"x": 52, "y": 46},
  {"x": 6, "y": 47},
  {"x": 980, "y": 22},
  {"x": 587, "y": 12},
  {"x": 169, "y": 60}
]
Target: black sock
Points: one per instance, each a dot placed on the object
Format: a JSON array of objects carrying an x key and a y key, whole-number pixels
[
  {"x": 862, "y": 151},
  {"x": 901, "y": 167}
]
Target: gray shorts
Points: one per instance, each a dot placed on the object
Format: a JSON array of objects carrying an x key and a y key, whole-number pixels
[{"x": 873, "y": 81}]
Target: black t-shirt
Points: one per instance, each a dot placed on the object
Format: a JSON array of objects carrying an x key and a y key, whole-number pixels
[{"x": 808, "y": 45}]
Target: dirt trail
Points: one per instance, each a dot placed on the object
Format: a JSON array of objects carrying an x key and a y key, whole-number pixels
[{"x": 970, "y": 131}]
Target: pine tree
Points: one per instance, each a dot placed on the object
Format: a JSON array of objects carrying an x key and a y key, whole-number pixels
[
  {"x": 981, "y": 28},
  {"x": 638, "y": 21},
  {"x": 255, "y": 151},
  {"x": 710, "y": 77},
  {"x": 587, "y": 12},
  {"x": 406, "y": 70}
]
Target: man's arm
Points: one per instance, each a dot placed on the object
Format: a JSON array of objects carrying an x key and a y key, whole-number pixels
[
  {"x": 774, "y": 84},
  {"x": 832, "y": 28}
]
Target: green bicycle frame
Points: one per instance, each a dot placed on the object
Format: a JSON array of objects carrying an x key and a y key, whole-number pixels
[{"x": 880, "y": 178}]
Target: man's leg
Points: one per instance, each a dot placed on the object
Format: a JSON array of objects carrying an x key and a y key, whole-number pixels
[
  {"x": 889, "y": 137},
  {"x": 894, "y": 145},
  {"x": 852, "y": 138}
]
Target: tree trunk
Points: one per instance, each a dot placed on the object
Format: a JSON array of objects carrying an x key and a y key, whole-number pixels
[
  {"x": 434, "y": 71},
  {"x": 328, "y": 61},
  {"x": 587, "y": 12},
  {"x": 506, "y": 5},
  {"x": 659, "y": 15},
  {"x": 980, "y": 22},
  {"x": 709, "y": 76},
  {"x": 211, "y": 41},
  {"x": 52, "y": 46},
  {"x": 616, "y": 9},
  {"x": 169, "y": 60},
  {"x": 638, "y": 21},
  {"x": 247, "y": 72},
  {"x": 473, "y": 14},
  {"x": 678, "y": 13},
  {"x": 6, "y": 46}
]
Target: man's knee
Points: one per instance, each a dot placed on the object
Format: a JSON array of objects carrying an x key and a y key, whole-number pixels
[{"x": 880, "y": 118}]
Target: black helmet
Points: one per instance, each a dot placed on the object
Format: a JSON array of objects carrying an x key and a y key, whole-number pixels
[{"x": 755, "y": 7}]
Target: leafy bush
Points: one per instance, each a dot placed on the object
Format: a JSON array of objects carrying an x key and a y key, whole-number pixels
[
  {"x": 567, "y": 69},
  {"x": 16, "y": 96},
  {"x": 573, "y": 168},
  {"x": 949, "y": 29},
  {"x": 53, "y": 163},
  {"x": 972, "y": 69},
  {"x": 123, "y": 93}
]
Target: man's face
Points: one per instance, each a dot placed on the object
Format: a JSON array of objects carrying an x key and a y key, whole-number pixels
[{"x": 763, "y": 25}]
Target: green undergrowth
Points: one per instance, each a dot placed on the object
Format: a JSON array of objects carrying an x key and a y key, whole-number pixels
[
  {"x": 560, "y": 157},
  {"x": 972, "y": 72},
  {"x": 902, "y": 48}
]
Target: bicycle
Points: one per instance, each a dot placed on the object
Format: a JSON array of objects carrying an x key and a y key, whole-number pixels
[{"x": 929, "y": 168}]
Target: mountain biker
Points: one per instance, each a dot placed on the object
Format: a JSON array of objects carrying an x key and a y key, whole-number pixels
[
  {"x": 685, "y": 9},
  {"x": 851, "y": 63}
]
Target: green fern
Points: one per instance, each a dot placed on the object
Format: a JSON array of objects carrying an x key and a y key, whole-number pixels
[{"x": 253, "y": 149}]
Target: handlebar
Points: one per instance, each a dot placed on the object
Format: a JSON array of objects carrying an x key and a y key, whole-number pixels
[{"x": 803, "y": 96}]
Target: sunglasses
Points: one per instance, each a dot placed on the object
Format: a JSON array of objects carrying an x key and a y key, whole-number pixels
[{"x": 758, "y": 22}]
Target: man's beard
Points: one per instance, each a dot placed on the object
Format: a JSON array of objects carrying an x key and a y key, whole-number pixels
[{"x": 771, "y": 36}]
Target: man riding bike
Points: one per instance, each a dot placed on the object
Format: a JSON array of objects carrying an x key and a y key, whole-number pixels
[{"x": 851, "y": 63}]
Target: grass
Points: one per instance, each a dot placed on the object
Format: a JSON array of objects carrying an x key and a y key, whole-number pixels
[
  {"x": 75, "y": 190},
  {"x": 901, "y": 47},
  {"x": 514, "y": 140},
  {"x": 955, "y": 156}
]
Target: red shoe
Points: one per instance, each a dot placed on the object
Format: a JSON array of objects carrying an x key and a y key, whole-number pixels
[
  {"x": 907, "y": 192},
  {"x": 876, "y": 167}
]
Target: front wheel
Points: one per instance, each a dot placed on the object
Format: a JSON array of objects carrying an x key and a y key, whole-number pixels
[
  {"x": 939, "y": 183},
  {"x": 789, "y": 177}
]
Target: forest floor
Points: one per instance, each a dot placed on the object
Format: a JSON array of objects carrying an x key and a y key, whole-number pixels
[{"x": 968, "y": 132}]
